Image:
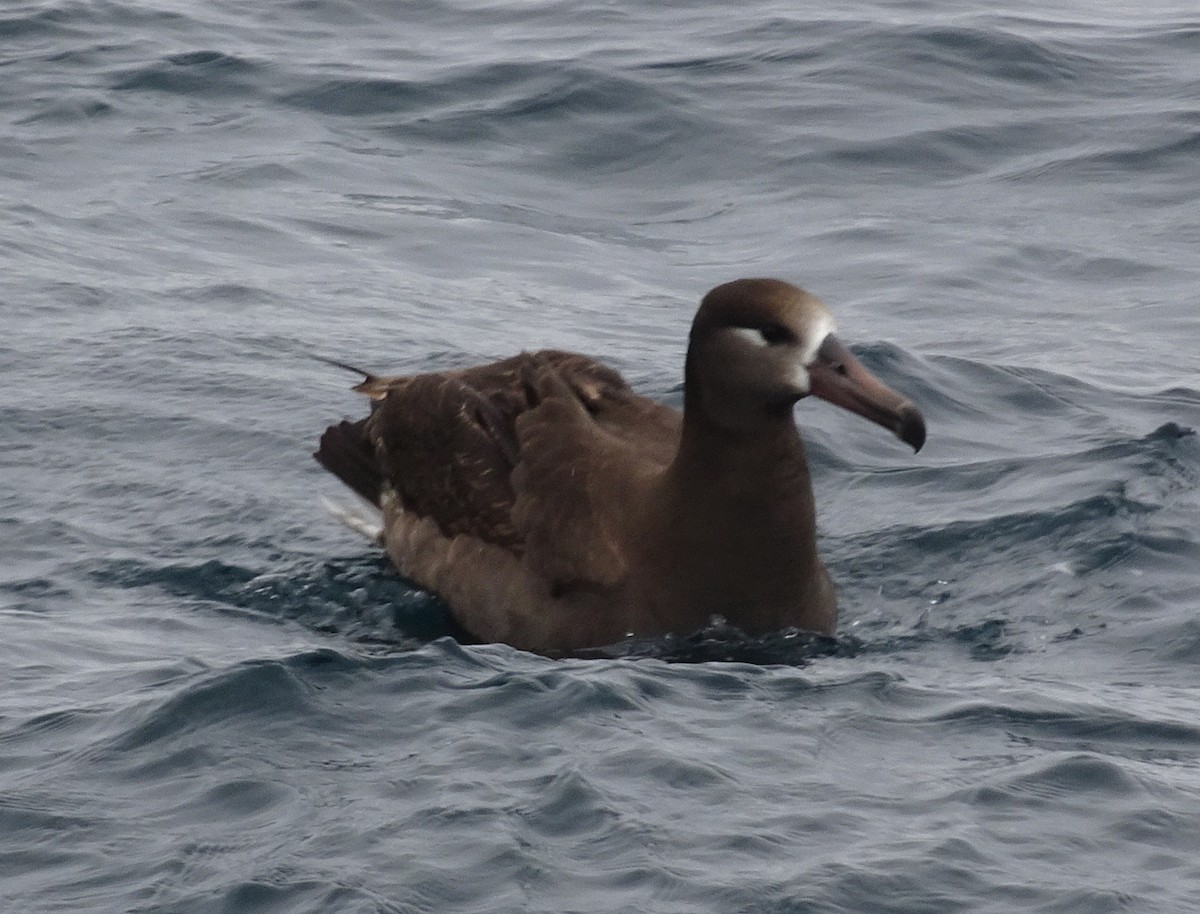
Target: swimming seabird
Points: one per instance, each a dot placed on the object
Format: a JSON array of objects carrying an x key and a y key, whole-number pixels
[{"x": 554, "y": 509}]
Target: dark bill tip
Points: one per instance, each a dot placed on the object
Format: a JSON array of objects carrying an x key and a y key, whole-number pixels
[
  {"x": 837, "y": 376},
  {"x": 911, "y": 428}
]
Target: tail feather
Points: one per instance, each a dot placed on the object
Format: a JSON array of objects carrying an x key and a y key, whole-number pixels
[
  {"x": 373, "y": 385},
  {"x": 347, "y": 453},
  {"x": 343, "y": 365}
]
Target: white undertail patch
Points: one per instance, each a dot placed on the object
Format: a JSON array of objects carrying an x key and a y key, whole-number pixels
[{"x": 358, "y": 520}]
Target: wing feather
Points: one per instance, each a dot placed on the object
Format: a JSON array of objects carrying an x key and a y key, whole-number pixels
[
  {"x": 525, "y": 454},
  {"x": 442, "y": 448}
]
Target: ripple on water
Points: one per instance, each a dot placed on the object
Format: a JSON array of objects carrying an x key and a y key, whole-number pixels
[
  {"x": 1078, "y": 779},
  {"x": 1082, "y": 730},
  {"x": 259, "y": 690},
  {"x": 205, "y": 74}
]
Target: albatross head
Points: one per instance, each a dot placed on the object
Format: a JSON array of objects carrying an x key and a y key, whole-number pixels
[{"x": 757, "y": 346}]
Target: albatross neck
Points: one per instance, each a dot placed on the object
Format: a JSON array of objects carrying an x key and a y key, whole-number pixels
[
  {"x": 735, "y": 530},
  {"x": 759, "y": 474}
]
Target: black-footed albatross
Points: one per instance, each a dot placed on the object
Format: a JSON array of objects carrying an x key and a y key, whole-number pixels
[{"x": 554, "y": 509}]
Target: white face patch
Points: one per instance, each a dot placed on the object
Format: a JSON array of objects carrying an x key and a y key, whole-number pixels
[
  {"x": 821, "y": 328},
  {"x": 800, "y": 379},
  {"x": 750, "y": 335}
]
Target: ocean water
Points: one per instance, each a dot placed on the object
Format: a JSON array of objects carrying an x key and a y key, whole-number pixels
[{"x": 215, "y": 699}]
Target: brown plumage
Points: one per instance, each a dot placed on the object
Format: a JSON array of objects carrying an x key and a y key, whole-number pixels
[{"x": 555, "y": 509}]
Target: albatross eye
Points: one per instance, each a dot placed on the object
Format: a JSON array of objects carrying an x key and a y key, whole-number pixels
[{"x": 773, "y": 334}]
